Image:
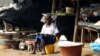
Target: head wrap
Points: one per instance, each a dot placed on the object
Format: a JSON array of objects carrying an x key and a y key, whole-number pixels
[{"x": 48, "y": 15}]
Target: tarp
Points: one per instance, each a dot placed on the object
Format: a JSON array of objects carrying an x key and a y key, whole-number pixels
[{"x": 27, "y": 16}]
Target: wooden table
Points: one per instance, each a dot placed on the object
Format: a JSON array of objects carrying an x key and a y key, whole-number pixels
[{"x": 89, "y": 26}]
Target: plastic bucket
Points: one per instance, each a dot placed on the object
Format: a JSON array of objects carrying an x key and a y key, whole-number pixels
[
  {"x": 70, "y": 48},
  {"x": 49, "y": 48},
  {"x": 71, "y": 51}
]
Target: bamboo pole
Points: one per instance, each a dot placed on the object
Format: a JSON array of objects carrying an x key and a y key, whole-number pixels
[{"x": 76, "y": 21}]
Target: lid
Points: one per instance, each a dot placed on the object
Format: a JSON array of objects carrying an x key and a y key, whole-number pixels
[{"x": 68, "y": 43}]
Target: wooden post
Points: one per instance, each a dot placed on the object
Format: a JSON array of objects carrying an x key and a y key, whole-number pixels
[
  {"x": 5, "y": 26},
  {"x": 76, "y": 21},
  {"x": 82, "y": 34},
  {"x": 98, "y": 34},
  {"x": 53, "y": 6}
]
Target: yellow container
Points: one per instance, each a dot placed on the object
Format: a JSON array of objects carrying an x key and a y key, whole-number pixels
[
  {"x": 49, "y": 48},
  {"x": 70, "y": 10},
  {"x": 57, "y": 39}
]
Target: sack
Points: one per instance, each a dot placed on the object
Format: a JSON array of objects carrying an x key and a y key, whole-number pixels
[
  {"x": 97, "y": 40},
  {"x": 95, "y": 46}
]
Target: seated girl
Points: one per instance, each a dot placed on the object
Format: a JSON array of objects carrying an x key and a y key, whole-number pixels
[{"x": 48, "y": 32}]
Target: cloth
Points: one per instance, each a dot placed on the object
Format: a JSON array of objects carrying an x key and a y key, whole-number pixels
[
  {"x": 51, "y": 30},
  {"x": 38, "y": 38},
  {"x": 47, "y": 15},
  {"x": 43, "y": 19},
  {"x": 50, "y": 39}
]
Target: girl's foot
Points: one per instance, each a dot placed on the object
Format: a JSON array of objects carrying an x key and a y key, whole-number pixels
[
  {"x": 33, "y": 52},
  {"x": 43, "y": 54}
]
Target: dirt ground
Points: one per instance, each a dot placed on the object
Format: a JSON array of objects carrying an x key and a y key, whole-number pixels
[{"x": 86, "y": 51}]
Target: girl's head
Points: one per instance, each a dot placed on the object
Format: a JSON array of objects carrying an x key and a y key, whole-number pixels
[
  {"x": 46, "y": 17},
  {"x": 48, "y": 20}
]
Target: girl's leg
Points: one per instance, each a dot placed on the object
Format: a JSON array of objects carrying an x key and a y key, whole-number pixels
[
  {"x": 40, "y": 47},
  {"x": 35, "y": 44},
  {"x": 43, "y": 44},
  {"x": 34, "y": 49}
]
